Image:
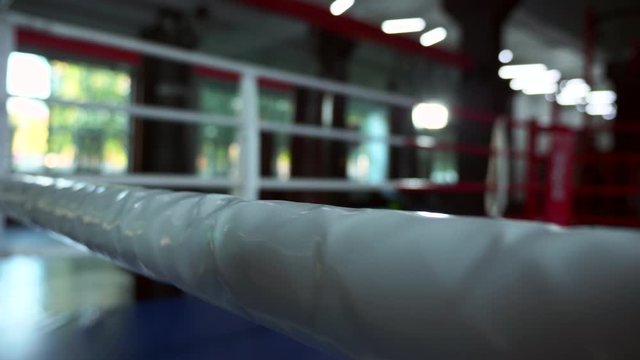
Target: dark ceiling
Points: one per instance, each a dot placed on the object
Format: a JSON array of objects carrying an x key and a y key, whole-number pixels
[{"x": 549, "y": 31}]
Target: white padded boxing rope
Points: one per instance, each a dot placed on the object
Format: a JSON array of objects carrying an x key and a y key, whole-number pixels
[{"x": 371, "y": 284}]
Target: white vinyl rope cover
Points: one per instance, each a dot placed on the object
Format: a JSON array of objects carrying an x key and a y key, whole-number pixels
[{"x": 369, "y": 284}]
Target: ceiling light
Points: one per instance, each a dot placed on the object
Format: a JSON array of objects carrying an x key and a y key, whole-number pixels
[
  {"x": 536, "y": 79},
  {"x": 601, "y": 109},
  {"x": 401, "y": 26},
  {"x": 433, "y": 37},
  {"x": 567, "y": 101},
  {"x": 505, "y": 56},
  {"x": 430, "y": 116},
  {"x": 515, "y": 71},
  {"x": 602, "y": 97},
  {"x": 541, "y": 89},
  {"x": 339, "y": 7},
  {"x": 573, "y": 92}
]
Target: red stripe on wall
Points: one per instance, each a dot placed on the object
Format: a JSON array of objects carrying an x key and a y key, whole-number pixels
[{"x": 40, "y": 40}]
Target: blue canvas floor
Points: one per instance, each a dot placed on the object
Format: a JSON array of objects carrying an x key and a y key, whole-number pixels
[
  {"x": 60, "y": 303},
  {"x": 180, "y": 328}
]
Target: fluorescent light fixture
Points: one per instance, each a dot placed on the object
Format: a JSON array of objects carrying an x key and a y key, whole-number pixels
[
  {"x": 535, "y": 79},
  {"x": 505, "y": 56},
  {"x": 540, "y": 89},
  {"x": 430, "y": 116},
  {"x": 601, "y": 109},
  {"x": 402, "y": 26},
  {"x": 602, "y": 97},
  {"x": 516, "y": 71},
  {"x": 565, "y": 100},
  {"x": 577, "y": 85},
  {"x": 433, "y": 36},
  {"x": 573, "y": 92},
  {"x": 339, "y": 7}
]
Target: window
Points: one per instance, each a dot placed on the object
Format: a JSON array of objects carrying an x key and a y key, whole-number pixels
[
  {"x": 218, "y": 151},
  {"x": 278, "y": 106},
  {"x": 60, "y": 138},
  {"x": 369, "y": 161}
]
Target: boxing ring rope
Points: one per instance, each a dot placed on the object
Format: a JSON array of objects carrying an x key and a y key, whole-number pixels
[{"x": 376, "y": 284}]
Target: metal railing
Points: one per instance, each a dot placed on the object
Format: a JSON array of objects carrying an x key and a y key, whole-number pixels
[{"x": 246, "y": 182}]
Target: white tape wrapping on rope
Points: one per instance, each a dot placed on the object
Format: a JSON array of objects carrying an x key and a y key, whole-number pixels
[{"x": 370, "y": 284}]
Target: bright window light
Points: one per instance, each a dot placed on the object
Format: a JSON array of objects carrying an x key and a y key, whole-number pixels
[
  {"x": 28, "y": 75},
  {"x": 27, "y": 109},
  {"x": 24, "y": 286},
  {"x": 602, "y": 97},
  {"x": 505, "y": 56},
  {"x": 430, "y": 116},
  {"x": 433, "y": 37},
  {"x": 424, "y": 141},
  {"x": 516, "y": 71},
  {"x": 402, "y": 26},
  {"x": 339, "y": 7}
]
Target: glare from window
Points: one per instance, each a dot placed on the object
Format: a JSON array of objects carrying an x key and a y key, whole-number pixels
[
  {"x": 368, "y": 162},
  {"x": 376, "y": 149},
  {"x": 65, "y": 139},
  {"x": 22, "y": 284},
  {"x": 28, "y": 75},
  {"x": 29, "y": 119},
  {"x": 283, "y": 165},
  {"x": 29, "y": 109}
]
